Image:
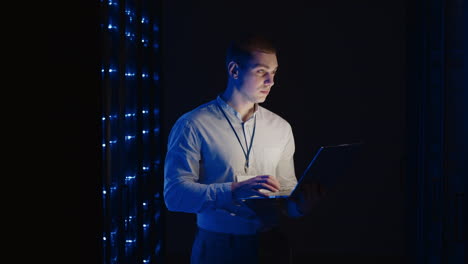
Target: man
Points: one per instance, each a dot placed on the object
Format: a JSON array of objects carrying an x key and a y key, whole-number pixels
[{"x": 231, "y": 148}]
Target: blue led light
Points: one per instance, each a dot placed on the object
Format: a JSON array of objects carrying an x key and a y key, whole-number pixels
[
  {"x": 130, "y": 178},
  {"x": 130, "y": 35},
  {"x": 111, "y": 70},
  {"x": 130, "y": 14},
  {"x": 126, "y": 70},
  {"x": 129, "y": 137},
  {"x": 128, "y": 222},
  {"x": 113, "y": 27}
]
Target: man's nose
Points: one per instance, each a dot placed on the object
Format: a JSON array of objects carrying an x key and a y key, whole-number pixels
[{"x": 269, "y": 79}]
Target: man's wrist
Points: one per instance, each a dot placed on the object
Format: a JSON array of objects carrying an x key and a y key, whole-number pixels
[{"x": 234, "y": 186}]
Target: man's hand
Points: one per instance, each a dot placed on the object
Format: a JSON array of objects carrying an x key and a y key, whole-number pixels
[
  {"x": 309, "y": 196},
  {"x": 254, "y": 186}
]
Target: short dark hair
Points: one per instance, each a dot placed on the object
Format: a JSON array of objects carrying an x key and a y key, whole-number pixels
[{"x": 241, "y": 48}]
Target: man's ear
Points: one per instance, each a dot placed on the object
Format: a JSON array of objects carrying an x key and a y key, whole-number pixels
[{"x": 233, "y": 69}]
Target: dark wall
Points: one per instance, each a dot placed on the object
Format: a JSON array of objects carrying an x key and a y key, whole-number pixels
[
  {"x": 341, "y": 79},
  {"x": 60, "y": 170}
]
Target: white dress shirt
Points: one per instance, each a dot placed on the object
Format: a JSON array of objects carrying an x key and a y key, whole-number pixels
[{"x": 204, "y": 157}]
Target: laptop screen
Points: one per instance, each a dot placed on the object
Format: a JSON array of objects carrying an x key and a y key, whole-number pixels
[{"x": 327, "y": 167}]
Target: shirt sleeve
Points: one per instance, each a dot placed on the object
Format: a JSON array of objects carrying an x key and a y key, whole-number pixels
[
  {"x": 285, "y": 170},
  {"x": 182, "y": 191}
]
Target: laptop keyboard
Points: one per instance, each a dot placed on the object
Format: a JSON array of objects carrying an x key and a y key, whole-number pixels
[{"x": 278, "y": 193}]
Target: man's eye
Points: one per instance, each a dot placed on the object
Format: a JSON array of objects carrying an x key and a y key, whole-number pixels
[{"x": 261, "y": 71}]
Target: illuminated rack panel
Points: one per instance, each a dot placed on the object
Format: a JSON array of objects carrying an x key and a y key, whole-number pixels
[{"x": 132, "y": 176}]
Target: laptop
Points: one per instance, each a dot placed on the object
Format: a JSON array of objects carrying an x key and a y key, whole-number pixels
[{"x": 327, "y": 167}]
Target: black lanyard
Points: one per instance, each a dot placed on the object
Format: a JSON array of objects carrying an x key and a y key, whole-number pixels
[{"x": 246, "y": 154}]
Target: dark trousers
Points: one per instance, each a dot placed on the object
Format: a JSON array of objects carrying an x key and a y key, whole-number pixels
[
  {"x": 274, "y": 247},
  {"x": 214, "y": 248}
]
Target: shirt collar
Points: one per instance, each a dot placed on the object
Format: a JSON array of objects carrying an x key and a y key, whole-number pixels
[{"x": 233, "y": 111}]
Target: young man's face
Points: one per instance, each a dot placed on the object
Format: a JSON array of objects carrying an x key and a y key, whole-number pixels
[{"x": 256, "y": 76}]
